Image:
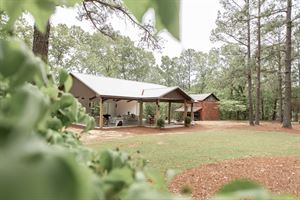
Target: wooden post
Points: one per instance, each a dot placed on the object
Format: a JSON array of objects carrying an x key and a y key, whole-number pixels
[
  {"x": 185, "y": 109},
  {"x": 192, "y": 112},
  {"x": 141, "y": 114},
  {"x": 157, "y": 113},
  {"x": 101, "y": 112},
  {"x": 169, "y": 113}
]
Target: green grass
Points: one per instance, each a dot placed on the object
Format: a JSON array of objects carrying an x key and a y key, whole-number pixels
[{"x": 182, "y": 151}]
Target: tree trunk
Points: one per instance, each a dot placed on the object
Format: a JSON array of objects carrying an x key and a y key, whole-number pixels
[
  {"x": 287, "y": 78},
  {"x": 296, "y": 113},
  {"x": 262, "y": 109},
  {"x": 189, "y": 69},
  {"x": 40, "y": 43},
  {"x": 257, "y": 112},
  {"x": 249, "y": 73},
  {"x": 280, "y": 109},
  {"x": 299, "y": 72},
  {"x": 274, "y": 110},
  {"x": 298, "y": 106}
]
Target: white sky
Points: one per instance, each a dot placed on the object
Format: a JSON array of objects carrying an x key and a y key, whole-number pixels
[{"x": 197, "y": 20}]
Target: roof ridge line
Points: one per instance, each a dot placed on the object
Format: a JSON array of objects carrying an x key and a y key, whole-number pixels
[{"x": 114, "y": 78}]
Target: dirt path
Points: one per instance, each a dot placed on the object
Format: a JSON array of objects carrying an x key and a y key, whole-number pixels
[
  {"x": 278, "y": 174},
  {"x": 119, "y": 133},
  {"x": 264, "y": 126}
]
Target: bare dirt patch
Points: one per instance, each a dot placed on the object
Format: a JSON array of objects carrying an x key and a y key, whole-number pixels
[
  {"x": 244, "y": 125},
  {"x": 277, "y": 174},
  {"x": 125, "y": 132},
  {"x": 97, "y": 135}
]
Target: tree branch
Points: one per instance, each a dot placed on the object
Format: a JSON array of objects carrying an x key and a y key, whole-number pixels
[
  {"x": 88, "y": 13},
  {"x": 119, "y": 8}
]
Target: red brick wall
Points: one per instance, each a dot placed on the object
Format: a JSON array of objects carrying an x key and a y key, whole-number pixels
[{"x": 210, "y": 110}]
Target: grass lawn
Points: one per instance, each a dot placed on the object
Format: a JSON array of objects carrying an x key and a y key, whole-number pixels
[{"x": 183, "y": 151}]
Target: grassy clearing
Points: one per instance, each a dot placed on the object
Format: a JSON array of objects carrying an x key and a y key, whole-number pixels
[{"x": 182, "y": 151}]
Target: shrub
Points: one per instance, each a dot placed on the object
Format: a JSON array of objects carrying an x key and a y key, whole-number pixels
[
  {"x": 178, "y": 116},
  {"x": 37, "y": 149},
  {"x": 149, "y": 109},
  {"x": 187, "y": 121},
  {"x": 160, "y": 123}
]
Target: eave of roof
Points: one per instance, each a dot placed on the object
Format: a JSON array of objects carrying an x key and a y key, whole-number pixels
[
  {"x": 131, "y": 89},
  {"x": 203, "y": 97}
]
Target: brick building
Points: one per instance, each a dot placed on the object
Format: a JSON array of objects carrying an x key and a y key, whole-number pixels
[{"x": 205, "y": 107}]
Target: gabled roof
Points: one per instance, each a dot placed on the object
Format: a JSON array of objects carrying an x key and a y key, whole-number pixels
[
  {"x": 154, "y": 92},
  {"x": 202, "y": 97},
  {"x": 112, "y": 87}
]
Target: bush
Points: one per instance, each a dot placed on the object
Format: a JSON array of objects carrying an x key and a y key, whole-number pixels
[
  {"x": 160, "y": 123},
  {"x": 178, "y": 116},
  {"x": 149, "y": 109},
  {"x": 187, "y": 121},
  {"x": 37, "y": 149}
]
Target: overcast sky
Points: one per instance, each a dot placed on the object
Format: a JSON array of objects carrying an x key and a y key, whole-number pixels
[{"x": 197, "y": 20}]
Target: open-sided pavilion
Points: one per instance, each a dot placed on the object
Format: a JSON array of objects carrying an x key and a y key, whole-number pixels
[{"x": 91, "y": 88}]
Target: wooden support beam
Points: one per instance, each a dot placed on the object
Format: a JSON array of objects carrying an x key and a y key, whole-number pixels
[
  {"x": 169, "y": 113},
  {"x": 157, "y": 113},
  {"x": 101, "y": 112},
  {"x": 185, "y": 109},
  {"x": 141, "y": 114},
  {"x": 94, "y": 97},
  {"x": 192, "y": 112}
]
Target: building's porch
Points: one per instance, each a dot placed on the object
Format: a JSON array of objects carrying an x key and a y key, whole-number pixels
[{"x": 132, "y": 112}]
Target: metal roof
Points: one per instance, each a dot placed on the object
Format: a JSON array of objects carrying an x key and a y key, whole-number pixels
[
  {"x": 105, "y": 86},
  {"x": 202, "y": 97}
]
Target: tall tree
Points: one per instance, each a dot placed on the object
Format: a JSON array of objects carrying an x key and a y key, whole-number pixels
[
  {"x": 231, "y": 25},
  {"x": 203, "y": 65},
  {"x": 258, "y": 67},
  {"x": 167, "y": 70},
  {"x": 249, "y": 74},
  {"x": 287, "y": 108},
  {"x": 40, "y": 43},
  {"x": 188, "y": 62},
  {"x": 280, "y": 113}
]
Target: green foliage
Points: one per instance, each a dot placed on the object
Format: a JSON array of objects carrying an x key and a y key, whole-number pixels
[
  {"x": 244, "y": 189},
  {"x": 119, "y": 58},
  {"x": 160, "y": 123},
  {"x": 231, "y": 107},
  {"x": 23, "y": 66},
  {"x": 40, "y": 158},
  {"x": 36, "y": 110},
  {"x": 178, "y": 116},
  {"x": 187, "y": 121},
  {"x": 41, "y": 11},
  {"x": 166, "y": 13},
  {"x": 31, "y": 169},
  {"x": 31, "y": 98},
  {"x": 149, "y": 109}
]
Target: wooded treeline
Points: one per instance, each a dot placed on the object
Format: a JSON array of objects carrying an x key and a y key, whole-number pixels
[
  {"x": 270, "y": 49},
  {"x": 254, "y": 71}
]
